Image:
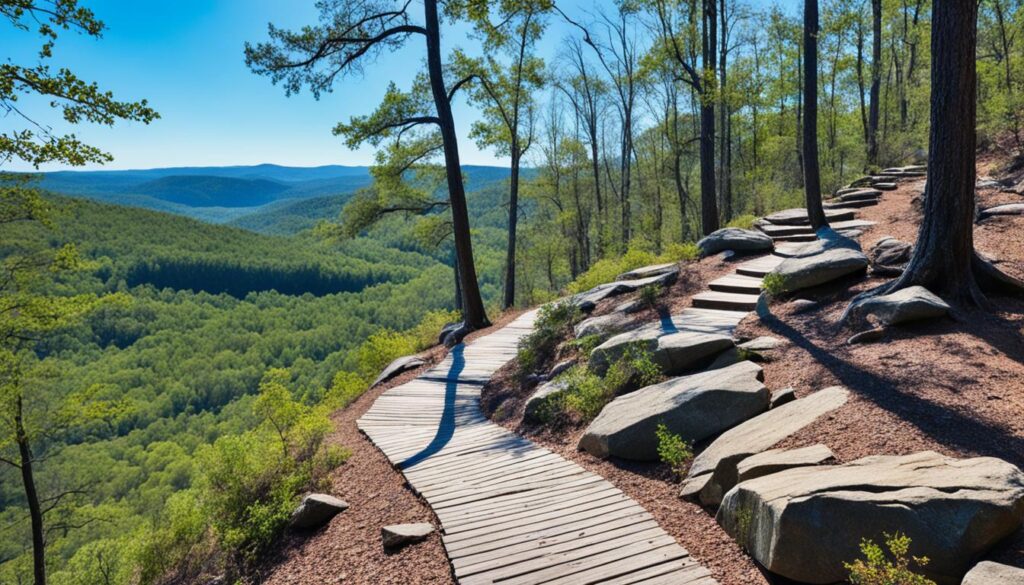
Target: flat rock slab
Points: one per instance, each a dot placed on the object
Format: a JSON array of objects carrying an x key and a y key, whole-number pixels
[
  {"x": 804, "y": 523},
  {"x": 860, "y": 195},
  {"x": 317, "y": 510},
  {"x": 694, "y": 407},
  {"x": 714, "y": 471},
  {"x": 649, "y": 271},
  {"x": 798, "y": 216},
  {"x": 587, "y": 300},
  {"x": 776, "y": 460},
  {"x": 802, "y": 272},
  {"x": 1007, "y": 209},
  {"x": 678, "y": 352},
  {"x": 398, "y": 535},
  {"x": 913, "y": 303},
  {"x": 605, "y": 325},
  {"x": 736, "y": 239},
  {"x": 402, "y": 364},
  {"x": 763, "y": 343},
  {"x": 989, "y": 573}
]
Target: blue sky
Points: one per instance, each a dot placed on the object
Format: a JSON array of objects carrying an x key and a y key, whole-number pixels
[{"x": 186, "y": 58}]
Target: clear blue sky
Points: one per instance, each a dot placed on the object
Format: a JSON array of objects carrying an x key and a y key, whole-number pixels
[{"x": 186, "y": 58}]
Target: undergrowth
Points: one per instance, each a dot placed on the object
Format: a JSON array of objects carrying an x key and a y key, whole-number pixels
[
  {"x": 554, "y": 323},
  {"x": 879, "y": 568},
  {"x": 673, "y": 450}
]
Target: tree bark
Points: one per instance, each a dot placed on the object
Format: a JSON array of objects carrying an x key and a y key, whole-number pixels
[
  {"x": 876, "y": 80},
  {"x": 812, "y": 178},
  {"x": 708, "y": 198},
  {"x": 725, "y": 129},
  {"x": 35, "y": 510},
  {"x": 473, "y": 313},
  {"x": 513, "y": 220}
]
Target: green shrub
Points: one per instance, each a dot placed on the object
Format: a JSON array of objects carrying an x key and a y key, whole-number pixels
[
  {"x": 774, "y": 284},
  {"x": 744, "y": 221},
  {"x": 586, "y": 393},
  {"x": 894, "y": 568},
  {"x": 553, "y": 325},
  {"x": 650, "y": 294},
  {"x": 586, "y": 344},
  {"x": 673, "y": 450},
  {"x": 635, "y": 369},
  {"x": 607, "y": 269},
  {"x": 677, "y": 252}
]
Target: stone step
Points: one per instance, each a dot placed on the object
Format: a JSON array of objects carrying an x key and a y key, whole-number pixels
[
  {"x": 884, "y": 186},
  {"x": 759, "y": 266},
  {"x": 785, "y": 230},
  {"x": 725, "y": 301},
  {"x": 808, "y": 237},
  {"x": 788, "y": 250},
  {"x": 798, "y": 216},
  {"x": 860, "y": 195},
  {"x": 852, "y": 204},
  {"x": 737, "y": 283}
]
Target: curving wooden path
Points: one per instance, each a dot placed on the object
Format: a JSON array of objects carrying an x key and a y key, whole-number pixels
[{"x": 512, "y": 512}]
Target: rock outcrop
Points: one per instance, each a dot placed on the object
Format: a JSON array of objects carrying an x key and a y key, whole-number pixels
[
  {"x": 890, "y": 256},
  {"x": 695, "y": 407},
  {"x": 989, "y": 573},
  {"x": 317, "y": 510},
  {"x": 913, "y": 303},
  {"x": 532, "y": 411},
  {"x": 713, "y": 472},
  {"x": 776, "y": 460},
  {"x": 804, "y": 523},
  {"x": 605, "y": 325},
  {"x": 800, "y": 272},
  {"x": 735, "y": 239},
  {"x": 402, "y": 364}
]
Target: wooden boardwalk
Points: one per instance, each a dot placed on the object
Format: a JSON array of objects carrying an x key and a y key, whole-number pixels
[{"x": 512, "y": 512}]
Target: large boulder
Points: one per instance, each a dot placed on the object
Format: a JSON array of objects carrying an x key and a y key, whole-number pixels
[
  {"x": 648, "y": 271},
  {"x": 804, "y": 523},
  {"x": 776, "y": 460},
  {"x": 1006, "y": 209},
  {"x": 714, "y": 471},
  {"x": 586, "y": 301},
  {"x": 736, "y": 239},
  {"x": 989, "y": 573},
  {"x": 674, "y": 352},
  {"x": 399, "y": 365},
  {"x": 832, "y": 263},
  {"x": 695, "y": 407},
  {"x": 532, "y": 411},
  {"x": 799, "y": 216},
  {"x": 605, "y": 325},
  {"x": 317, "y": 510},
  {"x": 913, "y": 303}
]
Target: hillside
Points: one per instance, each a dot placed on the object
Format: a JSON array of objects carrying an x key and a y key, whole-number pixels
[{"x": 208, "y": 191}]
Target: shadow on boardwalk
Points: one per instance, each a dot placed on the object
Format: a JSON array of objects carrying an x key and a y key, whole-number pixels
[{"x": 446, "y": 428}]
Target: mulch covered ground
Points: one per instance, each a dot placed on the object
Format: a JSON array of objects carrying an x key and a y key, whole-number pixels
[{"x": 955, "y": 386}]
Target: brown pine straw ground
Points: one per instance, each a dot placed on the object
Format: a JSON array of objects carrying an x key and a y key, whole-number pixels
[{"x": 955, "y": 386}]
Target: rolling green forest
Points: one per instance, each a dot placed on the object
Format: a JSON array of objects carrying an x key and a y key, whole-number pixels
[{"x": 160, "y": 325}]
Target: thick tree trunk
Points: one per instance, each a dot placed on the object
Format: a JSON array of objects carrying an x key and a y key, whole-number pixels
[
  {"x": 35, "y": 510},
  {"x": 474, "y": 315},
  {"x": 513, "y": 220},
  {"x": 812, "y": 178},
  {"x": 876, "y": 80},
  {"x": 725, "y": 144},
  {"x": 708, "y": 197}
]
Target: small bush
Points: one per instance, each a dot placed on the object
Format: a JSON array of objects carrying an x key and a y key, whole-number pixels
[
  {"x": 586, "y": 344},
  {"x": 744, "y": 221},
  {"x": 554, "y": 324},
  {"x": 607, "y": 269},
  {"x": 677, "y": 252},
  {"x": 586, "y": 393},
  {"x": 635, "y": 369},
  {"x": 650, "y": 295},
  {"x": 894, "y": 568},
  {"x": 673, "y": 450},
  {"x": 774, "y": 284}
]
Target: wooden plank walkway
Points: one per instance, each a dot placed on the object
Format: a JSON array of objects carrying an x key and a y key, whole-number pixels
[{"x": 512, "y": 512}]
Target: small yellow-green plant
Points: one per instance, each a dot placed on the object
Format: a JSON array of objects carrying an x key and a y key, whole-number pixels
[
  {"x": 774, "y": 284},
  {"x": 744, "y": 221},
  {"x": 673, "y": 450},
  {"x": 744, "y": 518},
  {"x": 894, "y": 568},
  {"x": 586, "y": 393},
  {"x": 677, "y": 252}
]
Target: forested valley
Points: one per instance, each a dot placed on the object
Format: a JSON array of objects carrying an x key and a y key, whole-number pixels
[{"x": 166, "y": 383}]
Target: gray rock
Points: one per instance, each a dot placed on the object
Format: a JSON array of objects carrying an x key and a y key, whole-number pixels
[
  {"x": 679, "y": 352},
  {"x": 782, "y": 396},
  {"x": 629, "y": 307},
  {"x": 398, "y": 535},
  {"x": 456, "y": 336},
  {"x": 1007, "y": 209},
  {"x": 605, "y": 326},
  {"x": 586, "y": 301},
  {"x": 913, "y": 303},
  {"x": 735, "y": 239},
  {"x": 446, "y": 330},
  {"x": 317, "y": 510},
  {"x": 808, "y": 271},
  {"x": 648, "y": 271},
  {"x": 802, "y": 305},
  {"x": 398, "y": 366},
  {"x": 799, "y": 216},
  {"x": 868, "y": 336},
  {"x": 804, "y": 523},
  {"x": 890, "y": 256},
  {"x": 560, "y": 367},
  {"x": 776, "y": 460},
  {"x": 725, "y": 359},
  {"x": 989, "y": 573},
  {"x": 763, "y": 343},
  {"x": 694, "y": 407},
  {"x": 540, "y": 396},
  {"x": 755, "y": 436}
]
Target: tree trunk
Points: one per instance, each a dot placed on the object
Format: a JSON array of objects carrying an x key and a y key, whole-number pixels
[
  {"x": 458, "y": 284},
  {"x": 708, "y": 198},
  {"x": 876, "y": 80},
  {"x": 860, "y": 83},
  {"x": 513, "y": 220},
  {"x": 944, "y": 254},
  {"x": 812, "y": 179},
  {"x": 35, "y": 510},
  {"x": 473, "y": 313},
  {"x": 724, "y": 146}
]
